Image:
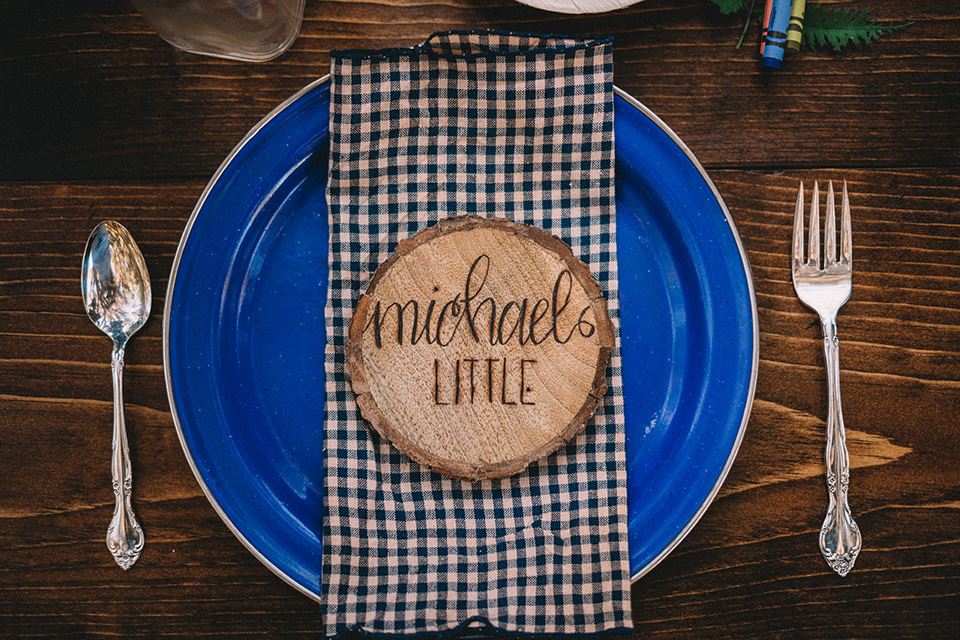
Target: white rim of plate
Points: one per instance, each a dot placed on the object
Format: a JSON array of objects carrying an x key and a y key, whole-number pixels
[{"x": 579, "y": 6}]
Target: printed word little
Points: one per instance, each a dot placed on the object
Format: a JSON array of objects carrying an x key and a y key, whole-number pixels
[{"x": 487, "y": 380}]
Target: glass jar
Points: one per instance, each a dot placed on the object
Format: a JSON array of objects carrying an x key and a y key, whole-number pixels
[{"x": 249, "y": 30}]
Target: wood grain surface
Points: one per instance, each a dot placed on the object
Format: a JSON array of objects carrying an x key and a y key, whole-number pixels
[{"x": 101, "y": 119}]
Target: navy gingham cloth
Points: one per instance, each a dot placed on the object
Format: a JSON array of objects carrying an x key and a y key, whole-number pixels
[{"x": 499, "y": 125}]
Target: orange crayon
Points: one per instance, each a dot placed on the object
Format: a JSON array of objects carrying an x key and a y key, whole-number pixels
[{"x": 765, "y": 25}]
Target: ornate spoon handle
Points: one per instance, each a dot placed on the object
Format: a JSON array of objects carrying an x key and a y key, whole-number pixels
[
  {"x": 124, "y": 536},
  {"x": 839, "y": 536}
]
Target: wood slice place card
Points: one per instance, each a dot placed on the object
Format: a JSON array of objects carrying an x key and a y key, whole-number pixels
[{"x": 481, "y": 346}]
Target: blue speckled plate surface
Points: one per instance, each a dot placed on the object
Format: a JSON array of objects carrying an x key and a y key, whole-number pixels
[{"x": 244, "y": 335}]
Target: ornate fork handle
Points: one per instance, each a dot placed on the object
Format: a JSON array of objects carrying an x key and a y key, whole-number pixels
[
  {"x": 839, "y": 536},
  {"x": 124, "y": 535}
]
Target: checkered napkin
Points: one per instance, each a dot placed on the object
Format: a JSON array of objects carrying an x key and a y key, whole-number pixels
[{"x": 498, "y": 125}]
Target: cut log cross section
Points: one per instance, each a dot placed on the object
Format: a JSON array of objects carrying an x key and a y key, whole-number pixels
[{"x": 480, "y": 347}]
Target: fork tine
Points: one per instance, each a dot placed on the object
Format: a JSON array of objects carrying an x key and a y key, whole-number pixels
[
  {"x": 846, "y": 236},
  {"x": 813, "y": 252},
  {"x": 830, "y": 229},
  {"x": 798, "y": 230}
]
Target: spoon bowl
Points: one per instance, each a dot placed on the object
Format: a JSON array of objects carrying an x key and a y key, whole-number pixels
[
  {"x": 117, "y": 296},
  {"x": 115, "y": 283}
]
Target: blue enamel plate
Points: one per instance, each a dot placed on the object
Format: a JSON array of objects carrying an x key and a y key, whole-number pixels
[{"x": 244, "y": 335}]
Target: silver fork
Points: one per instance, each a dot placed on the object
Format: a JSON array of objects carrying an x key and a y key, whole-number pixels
[{"x": 825, "y": 289}]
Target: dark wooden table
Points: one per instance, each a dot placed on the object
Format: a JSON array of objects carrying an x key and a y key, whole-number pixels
[{"x": 101, "y": 119}]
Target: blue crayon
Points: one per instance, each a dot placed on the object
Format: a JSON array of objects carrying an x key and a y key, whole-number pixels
[{"x": 776, "y": 41}]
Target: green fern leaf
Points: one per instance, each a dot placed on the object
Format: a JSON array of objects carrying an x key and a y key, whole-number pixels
[
  {"x": 842, "y": 27},
  {"x": 729, "y": 6}
]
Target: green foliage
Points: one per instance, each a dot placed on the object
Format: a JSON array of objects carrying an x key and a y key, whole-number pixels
[
  {"x": 842, "y": 27},
  {"x": 821, "y": 27},
  {"x": 729, "y": 6}
]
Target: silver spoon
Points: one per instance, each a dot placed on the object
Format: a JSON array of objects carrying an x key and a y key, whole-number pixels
[{"x": 116, "y": 293}]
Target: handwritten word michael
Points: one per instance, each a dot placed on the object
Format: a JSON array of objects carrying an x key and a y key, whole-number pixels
[{"x": 520, "y": 321}]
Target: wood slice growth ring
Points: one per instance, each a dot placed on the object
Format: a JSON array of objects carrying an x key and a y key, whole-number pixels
[{"x": 481, "y": 346}]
